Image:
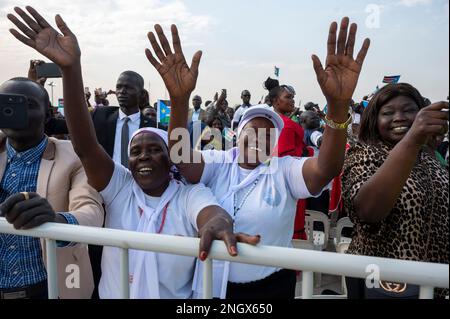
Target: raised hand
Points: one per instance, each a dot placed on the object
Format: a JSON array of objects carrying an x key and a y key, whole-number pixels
[
  {"x": 179, "y": 78},
  {"x": 41, "y": 36},
  {"x": 339, "y": 78}
]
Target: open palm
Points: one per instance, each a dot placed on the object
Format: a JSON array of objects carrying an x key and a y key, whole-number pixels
[
  {"x": 179, "y": 78},
  {"x": 40, "y": 35},
  {"x": 339, "y": 78}
]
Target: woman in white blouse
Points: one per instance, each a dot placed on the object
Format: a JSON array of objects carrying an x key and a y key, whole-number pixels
[
  {"x": 261, "y": 195},
  {"x": 145, "y": 198}
]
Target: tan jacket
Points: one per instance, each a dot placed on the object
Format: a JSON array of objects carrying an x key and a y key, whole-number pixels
[{"x": 62, "y": 181}]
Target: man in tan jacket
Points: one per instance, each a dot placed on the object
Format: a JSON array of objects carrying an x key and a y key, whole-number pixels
[{"x": 42, "y": 180}]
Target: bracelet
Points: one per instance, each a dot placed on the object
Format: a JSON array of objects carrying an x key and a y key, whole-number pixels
[{"x": 338, "y": 126}]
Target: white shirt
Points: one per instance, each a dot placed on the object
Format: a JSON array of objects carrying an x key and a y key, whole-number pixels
[
  {"x": 196, "y": 115},
  {"x": 239, "y": 113},
  {"x": 269, "y": 210},
  {"x": 175, "y": 272},
  {"x": 133, "y": 125},
  {"x": 315, "y": 137}
]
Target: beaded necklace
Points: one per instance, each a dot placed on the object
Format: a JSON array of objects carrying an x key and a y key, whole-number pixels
[{"x": 244, "y": 200}]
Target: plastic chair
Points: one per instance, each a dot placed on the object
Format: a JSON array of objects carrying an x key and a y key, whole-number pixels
[
  {"x": 342, "y": 248},
  {"x": 341, "y": 225},
  {"x": 319, "y": 238}
]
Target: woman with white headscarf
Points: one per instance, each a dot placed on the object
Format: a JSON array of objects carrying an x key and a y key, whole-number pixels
[
  {"x": 259, "y": 193},
  {"x": 145, "y": 198}
]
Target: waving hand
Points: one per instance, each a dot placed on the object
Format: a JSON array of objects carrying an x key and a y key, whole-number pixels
[{"x": 62, "y": 49}]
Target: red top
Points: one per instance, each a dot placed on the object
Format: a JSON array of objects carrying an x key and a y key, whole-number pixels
[
  {"x": 292, "y": 143},
  {"x": 292, "y": 139}
]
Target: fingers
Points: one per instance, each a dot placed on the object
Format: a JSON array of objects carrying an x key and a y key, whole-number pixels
[
  {"x": 363, "y": 53},
  {"x": 332, "y": 39},
  {"x": 318, "y": 68},
  {"x": 31, "y": 23},
  {"x": 39, "y": 19},
  {"x": 196, "y": 62},
  {"x": 62, "y": 26},
  {"x": 231, "y": 242},
  {"x": 6, "y": 206},
  {"x": 152, "y": 59},
  {"x": 163, "y": 40},
  {"x": 22, "y": 38},
  {"x": 22, "y": 27},
  {"x": 343, "y": 36},
  {"x": 176, "y": 40},
  {"x": 437, "y": 106},
  {"x": 37, "y": 221},
  {"x": 247, "y": 239},
  {"x": 156, "y": 47},
  {"x": 26, "y": 216},
  {"x": 437, "y": 115},
  {"x": 20, "y": 205},
  {"x": 206, "y": 241},
  {"x": 349, "y": 50}
]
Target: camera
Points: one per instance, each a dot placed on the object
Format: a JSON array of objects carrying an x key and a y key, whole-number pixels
[{"x": 13, "y": 111}]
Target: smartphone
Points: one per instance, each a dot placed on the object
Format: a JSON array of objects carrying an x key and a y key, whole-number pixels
[
  {"x": 48, "y": 70},
  {"x": 13, "y": 111}
]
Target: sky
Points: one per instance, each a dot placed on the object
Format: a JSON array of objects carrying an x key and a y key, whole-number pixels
[{"x": 243, "y": 40}]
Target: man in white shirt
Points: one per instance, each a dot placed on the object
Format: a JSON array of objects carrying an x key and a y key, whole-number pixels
[{"x": 246, "y": 97}]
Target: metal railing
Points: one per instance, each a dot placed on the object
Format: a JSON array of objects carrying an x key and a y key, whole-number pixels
[{"x": 427, "y": 276}]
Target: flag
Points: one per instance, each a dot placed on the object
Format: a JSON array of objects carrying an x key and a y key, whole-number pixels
[
  {"x": 164, "y": 109},
  {"x": 392, "y": 79},
  {"x": 229, "y": 134},
  {"x": 277, "y": 71}
]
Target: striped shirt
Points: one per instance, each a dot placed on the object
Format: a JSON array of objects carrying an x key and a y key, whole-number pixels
[{"x": 21, "y": 262}]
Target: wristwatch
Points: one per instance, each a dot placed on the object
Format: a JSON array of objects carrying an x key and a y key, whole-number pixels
[{"x": 338, "y": 126}]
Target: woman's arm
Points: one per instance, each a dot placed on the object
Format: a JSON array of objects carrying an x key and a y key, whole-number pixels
[
  {"x": 377, "y": 198},
  {"x": 180, "y": 81},
  {"x": 338, "y": 83},
  {"x": 64, "y": 51}
]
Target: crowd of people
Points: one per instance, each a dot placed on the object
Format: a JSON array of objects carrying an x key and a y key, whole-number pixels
[{"x": 249, "y": 174}]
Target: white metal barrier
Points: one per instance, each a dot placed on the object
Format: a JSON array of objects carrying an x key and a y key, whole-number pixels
[{"x": 426, "y": 275}]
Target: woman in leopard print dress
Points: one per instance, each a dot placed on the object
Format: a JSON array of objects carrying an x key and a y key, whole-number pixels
[{"x": 394, "y": 189}]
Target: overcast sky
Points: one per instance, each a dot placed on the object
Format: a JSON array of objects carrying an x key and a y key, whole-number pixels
[{"x": 243, "y": 40}]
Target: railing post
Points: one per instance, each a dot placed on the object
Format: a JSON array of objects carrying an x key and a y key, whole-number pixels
[
  {"x": 52, "y": 269},
  {"x": 426, "y": 292},
  {"x": 124, "y": 273},
  {"x": 207, "y": 279},
  {"x": 307, "y": 284}
]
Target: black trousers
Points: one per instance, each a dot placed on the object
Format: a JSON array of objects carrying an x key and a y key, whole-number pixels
[{"x": 280, "y": 285}]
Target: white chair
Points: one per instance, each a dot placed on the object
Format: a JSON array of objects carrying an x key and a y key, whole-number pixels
[
  {"x": 342, "y": 248},
  {"x": 341, "y": 225},
  {"x": 319, "y": 238}
]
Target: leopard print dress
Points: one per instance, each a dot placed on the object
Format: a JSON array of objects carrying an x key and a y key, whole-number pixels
[{"x": 418, "y": 227}]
